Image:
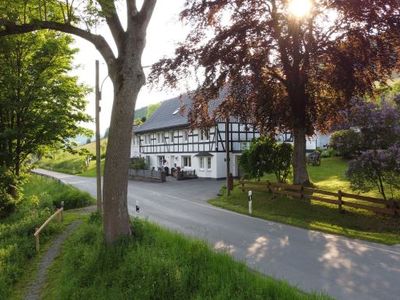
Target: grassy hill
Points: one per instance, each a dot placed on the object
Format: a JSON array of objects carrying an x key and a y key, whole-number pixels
[
  {"x": 75, "y": 164},
  {"x": 141, "y": 112},
  {"x": 65, "y": 162}
]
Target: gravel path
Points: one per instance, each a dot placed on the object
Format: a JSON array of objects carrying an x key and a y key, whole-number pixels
[{"x": 48, "y": 258}]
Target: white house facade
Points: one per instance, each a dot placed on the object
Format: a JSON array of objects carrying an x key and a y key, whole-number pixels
[{"x": 166, "y": 139}]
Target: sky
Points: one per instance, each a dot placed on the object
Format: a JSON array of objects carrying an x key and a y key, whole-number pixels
[{"x": 164, "y": 32}]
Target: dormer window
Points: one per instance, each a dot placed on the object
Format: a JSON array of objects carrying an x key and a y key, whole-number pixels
[{"x": 176, "y": 111}]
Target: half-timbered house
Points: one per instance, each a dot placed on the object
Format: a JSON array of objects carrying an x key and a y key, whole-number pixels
[{"x": 166, "y": 139}]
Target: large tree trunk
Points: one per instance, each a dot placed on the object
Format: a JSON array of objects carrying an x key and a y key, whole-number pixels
[
  {"x": 127, "y": 83},
  {"x": 300, "y": 174}
]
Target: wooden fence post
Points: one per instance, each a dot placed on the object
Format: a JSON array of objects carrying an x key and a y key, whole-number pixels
[
  {"x": 393, "y": 206},
  {"x": 340, "y": 201}
]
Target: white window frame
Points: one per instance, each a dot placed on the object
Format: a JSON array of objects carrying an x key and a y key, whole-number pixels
[
  {"x": 185, "y": 135},
  {"x": 201, "y": 159},
  {"x": 188, "y": 159},
  {"x": 161, "y": 137},
  {"x": 160, "y": 160},
  {"x": 209, "y": 163}
]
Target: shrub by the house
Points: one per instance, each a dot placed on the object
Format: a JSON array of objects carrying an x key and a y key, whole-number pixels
[
  {"x": 346, "y": 143},
  {"x": 264, "y": 156}
]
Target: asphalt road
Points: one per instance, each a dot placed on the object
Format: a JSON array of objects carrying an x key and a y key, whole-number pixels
[{"x": 340, "y": 267}]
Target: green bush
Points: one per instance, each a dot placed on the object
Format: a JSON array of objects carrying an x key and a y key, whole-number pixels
[
  {"x": 138, "y": 163},
  {"x": 265, "y": 155},
  {"x": 51, "y": 193},
  {"x": 9, "y": 193},
  {"x": 330, "y": 152},
  {"x": 346, "y": 143}
]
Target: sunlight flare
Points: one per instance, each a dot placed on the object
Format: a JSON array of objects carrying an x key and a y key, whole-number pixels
[{"x": 299, "y": 8}]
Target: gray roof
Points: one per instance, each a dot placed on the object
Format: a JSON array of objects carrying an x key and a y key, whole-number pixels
[{"x": 173, "y": 113}]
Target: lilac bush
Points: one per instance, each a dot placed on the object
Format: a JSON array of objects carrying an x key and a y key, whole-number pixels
[
  {"x": 378, "y": 169},
  {"x": 379, "y": 123}
]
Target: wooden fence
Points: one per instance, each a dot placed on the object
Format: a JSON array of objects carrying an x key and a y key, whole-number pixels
[
  {"x": 59, "y": 215},
  {"x": 152, "y": 175},
  {"x": 339, "y": 198}
]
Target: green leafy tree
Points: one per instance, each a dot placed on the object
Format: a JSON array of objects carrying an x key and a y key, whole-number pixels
[
  {"x": 151, "y": 109},
  {"x": 8, "y": 192},
  {"x": 40, "y": 104},
  {"x": 265, "y": 156},
  {"x": 125, "y": 70}
]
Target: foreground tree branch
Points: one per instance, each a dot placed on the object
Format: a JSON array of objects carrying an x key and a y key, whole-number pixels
[{"x": 98, "y": 41}]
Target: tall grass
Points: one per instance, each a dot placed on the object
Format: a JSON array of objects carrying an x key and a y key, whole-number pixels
[
  {"x": 155, "y": 264},
  {"x": 51, "y": 193},
  {"x": 17, "y": 245}
]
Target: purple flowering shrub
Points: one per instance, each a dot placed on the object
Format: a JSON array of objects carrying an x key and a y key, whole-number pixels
[
  {"x": 346, "y": 143},
  {"x": 376, "y": 169},
  {"x": 379, "y": 123}
]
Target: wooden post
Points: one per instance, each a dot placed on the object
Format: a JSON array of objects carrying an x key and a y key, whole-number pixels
[
  {"x": 340, "y": 201},
  {"x": 98, "y": 148},
  {"x": 392, "y": 205},
  {"x": 228, "y": 170},
  {"x": 37, "y": 240}
]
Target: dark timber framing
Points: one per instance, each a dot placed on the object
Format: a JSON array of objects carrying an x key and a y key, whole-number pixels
[{"x": 215, "y": 143}]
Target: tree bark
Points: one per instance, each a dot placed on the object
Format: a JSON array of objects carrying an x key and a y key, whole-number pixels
[
  {"x": 300, "y": 174},
  {"x": 127, "y": 83}
]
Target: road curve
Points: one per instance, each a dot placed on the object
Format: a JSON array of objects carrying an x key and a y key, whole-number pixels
[{"x": 340, "y": 267}]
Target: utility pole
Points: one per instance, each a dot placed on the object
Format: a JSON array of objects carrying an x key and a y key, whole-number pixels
[
  {"x": 228, "y": 169},
  {"x": 98, "y": 154}
]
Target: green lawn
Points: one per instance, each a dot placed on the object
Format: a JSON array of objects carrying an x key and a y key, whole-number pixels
[
  {"x": 18, "y": 257},
  {"x": 65, "y": 162},
  {"x": 316, "y": 215},
  {"x": 155, "y": 264}
]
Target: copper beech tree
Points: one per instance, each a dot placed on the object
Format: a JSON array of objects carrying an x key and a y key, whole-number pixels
[
  {"x": 80, "y": 17},
  {"x": 284, "y": 65}
]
